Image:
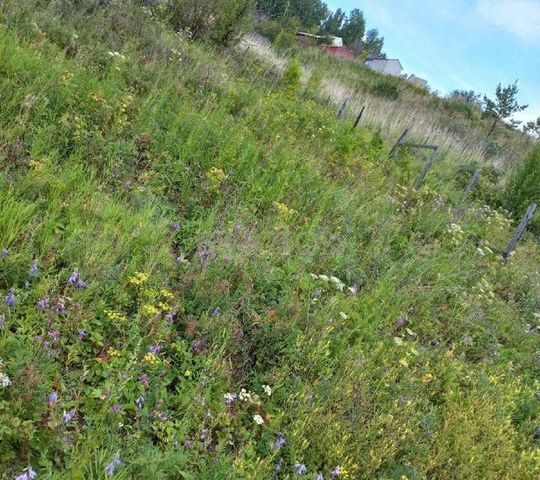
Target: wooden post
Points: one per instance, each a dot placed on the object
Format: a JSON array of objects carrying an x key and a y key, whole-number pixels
[
  {"x": 520, "y": 230},
  {"x": 343, "y": 107},
  {"x": 397, "y": 147},
  {"x": 427, "y": 166},
  {"x": 472, "y": 182},
  {"x": 359, "y": 117}
]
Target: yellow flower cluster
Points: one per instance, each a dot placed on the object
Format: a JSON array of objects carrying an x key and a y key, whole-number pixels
[
  {"x": 112, "y": 352},
  {"x": 149, "y": 310},
  {"x": 215, "y": 176},
  {"x": 138, "y": 279},
  {"x": 283, "y": 211},
  {"x": 115, "y": 316},
  {"x": 151, "y": 358}
]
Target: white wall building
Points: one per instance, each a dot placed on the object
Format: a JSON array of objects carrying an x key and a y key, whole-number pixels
[{"x": 386, "y": 66}]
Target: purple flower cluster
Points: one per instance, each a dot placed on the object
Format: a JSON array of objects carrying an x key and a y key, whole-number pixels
[
  {"x": 143, "y": 378},
  {"x": 68, "y": 416},
  {"x": 28, "y": 474},
  {"x": 11, "y": 300},
  {"x": 34, "y": 269},
  {"x": 52, "y": 398},
  {"x": 42, "y": 303},
  {"x": 111, "y": 467},
  {"x": 155, "y": 349},
  {"x": 280, "y": 441},
  {"x": 76, "y": 281},
  {"x": 300, "y": 469},
  {"x": 140, "y": 402}
]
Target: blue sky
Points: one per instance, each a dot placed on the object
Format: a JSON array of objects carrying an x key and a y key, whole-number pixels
[{"x": 462, "y": 44}]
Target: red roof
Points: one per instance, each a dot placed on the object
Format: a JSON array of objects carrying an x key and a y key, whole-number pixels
[{"x": 339, "y": 51}]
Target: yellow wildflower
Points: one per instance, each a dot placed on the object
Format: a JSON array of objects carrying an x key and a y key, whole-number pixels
[
  {"x": 138, "y": 279},
  {"x": 151, "y": 358},
  {"x": 149, "y": 310}
]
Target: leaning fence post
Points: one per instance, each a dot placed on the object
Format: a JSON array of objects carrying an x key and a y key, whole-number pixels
[
  {"x": 397, "y": 147},
  {"x": 359, "y": 117},
  {"x": 343, "y": 107},
  {"x": 427, "y": 166},
  {"x": 472, "y": 182},
  {"x": 520, "y": 230}
]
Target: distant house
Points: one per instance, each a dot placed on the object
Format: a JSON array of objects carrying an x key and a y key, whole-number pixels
[
  {"x": 335, "y": 47},
  {"x": 386, "y": 66},
  {"x": 417, "y": 81}
]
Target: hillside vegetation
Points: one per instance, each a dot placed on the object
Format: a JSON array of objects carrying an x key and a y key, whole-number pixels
[{"x": 204, "y": 274}]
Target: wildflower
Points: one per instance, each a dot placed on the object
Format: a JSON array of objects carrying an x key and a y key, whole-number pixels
[
  {"x": 188, "y": 443},
  {"x": 216, "y": 311},
  {"x": 4, "y": 380},
  {"x": 52, "y": 398},
  {"x": 75, "y": 280},
  {"x": 155, "y": 349},
  {"x": 28, "y": 474},
  {"x": 169, "y": 318},
  {"x": 143, "y": 378},
  {"x": 68, "y": 416},
  {"x": 150, "y": 310},
  {"x": 277, "y": 467},
  {"x": 5, "y": 252},
  {"x": 258, "y": 419},
  {"x": 11, "y": 301},
  {"x": 81, "y": 333},
  {"x": 319, "y": 476},
  {"x": 151, "y": 358},
  {"x": 230, "y": 398},
  {"x": 175, "y": 227},
  {"x": 60, "y": 306},
  {"x": 343, "y": 315},
  {"x": 55, "y": 335},
  {"x": 181, "y": 259},
  {"x": 208, "y": 414},
  {"x": 42, "y": 304},
  {"x": 203, "y": 434},
  {"x": 300, "y": 469},
  {"x": 198, "y": 346},
  {"x": 115, "y": 408},
  {"x": 244, "y": 395},
  {"x": 138, "y": 279},
  {"x": 336, "y": 472},
  {"x": 109, "y": 469},
  {"x": 34, "y": 268},
  {"x": 2, "y": 319},
  {"x": 140, "y": 402},
  {"x": 280, "y": 441}
]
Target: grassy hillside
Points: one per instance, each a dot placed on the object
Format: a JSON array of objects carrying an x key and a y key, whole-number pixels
[{"x": 206, "y": 275}]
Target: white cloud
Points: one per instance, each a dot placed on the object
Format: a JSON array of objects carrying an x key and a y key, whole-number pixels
[{"x": 519, "y": 17}]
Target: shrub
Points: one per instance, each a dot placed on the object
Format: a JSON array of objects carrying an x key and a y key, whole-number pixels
[
  {"x": 292, "y": 76},
  {"x": 221, "y": 21},
  {"x": 285, "y": 41},
  {"x": 385, "y": 89},
  {"x": 524, "y": 188},
  {"x": 269, "y": 29}
]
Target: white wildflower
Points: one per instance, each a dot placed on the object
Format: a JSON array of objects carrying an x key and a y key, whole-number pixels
[
  {"x": 343, "y": 315},
  {"x": 480, "y": 251},
  {"x": 267, "y": 390},
  {"x": 244, "y": 395},
  {"x": 258, "y": 419},
  {"x": 4, "y": 380}
]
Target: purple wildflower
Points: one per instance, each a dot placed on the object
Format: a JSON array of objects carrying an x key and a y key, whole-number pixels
[
  {"x": 81, "y": 333},
  {"x": 5, "y": 252},
  {"x": 60, "y": 306},
  {"x": 204, "y": 433},
  {"x": 155, "y": 349},
  {"x": 170, "y": 317},
  {"x": 34, "y": 268},
  {"x": 2, "y": 319},
  {"x": 277, "y": 467},
  {"x": 198, "y": 347},
  {"x": 163, "y": 417},
  {"x": 188, "y": 443},
  {"x": 28, "y": 474},
  {"x": 300, "y": 469},
  {"x": 143, "y": 378},
  {"x": 116, "y": 408},
  {"x": 55, "y": 335},
  {"x": 230, "y": 398},
  {"x": 109, "y": 469},
  {"x": 11, "y": 301},
  {"x": 140, "y": 402},
  {"x": 68, "y": 416},
  {"x": 207, "y": 414},
  {"x": 175, "y": 227},
  {"x": 336, "y": 472},
  {"x": 216, "y": 311},
  {"x": 319, "y": 476},
  {"x": 280, "y": 441},
  {"x": 75, "y": 280},
  {"x": 52, "y": 398},
  {"x": 42, "y": 303}
]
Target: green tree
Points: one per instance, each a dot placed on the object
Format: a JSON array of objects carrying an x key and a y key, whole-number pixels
[
  {"x": 333, "y": 23},
  {"x": 373, "y": 44},
  {"x": 311, "y": 13},
  {"x": 469, "y": 96},
  {"x": 504, "y": 105},
  {"x": 532, "y": 127},
  {"x": 354, "y": 29}
]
